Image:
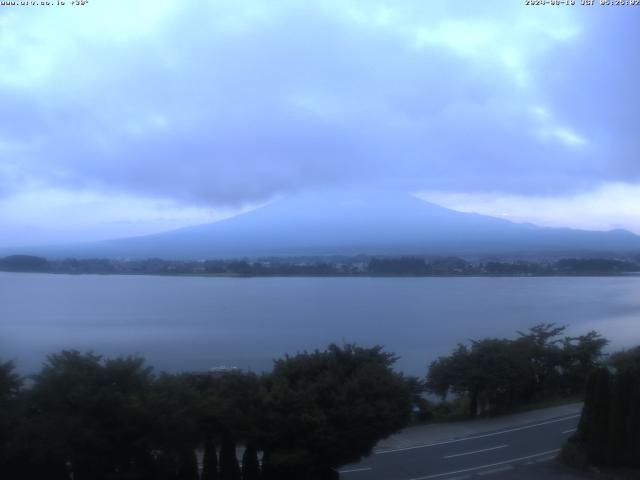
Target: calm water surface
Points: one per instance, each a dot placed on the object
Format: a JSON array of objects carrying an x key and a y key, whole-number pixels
[{"x": 191, "y": 323}]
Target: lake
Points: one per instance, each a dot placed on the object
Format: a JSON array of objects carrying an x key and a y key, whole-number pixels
[{"x": 194, "y": 323}]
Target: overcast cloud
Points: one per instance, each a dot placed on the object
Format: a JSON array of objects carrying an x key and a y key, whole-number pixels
[{"x": 167, "y": 113}]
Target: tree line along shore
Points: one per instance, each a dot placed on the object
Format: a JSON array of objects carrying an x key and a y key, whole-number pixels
[
  {"x": 86, "y": 417},
  {"x": 327, "y": 266}
]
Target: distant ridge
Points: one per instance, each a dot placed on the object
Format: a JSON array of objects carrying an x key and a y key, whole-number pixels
[{"x": 371, "y": 223}]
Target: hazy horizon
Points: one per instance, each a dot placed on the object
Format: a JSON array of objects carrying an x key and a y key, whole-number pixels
[
  {"x": 330, "y": 222},
  {"x": 301, "y": 205}
]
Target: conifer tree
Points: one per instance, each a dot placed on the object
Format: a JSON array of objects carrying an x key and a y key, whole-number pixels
[
  {"x": 621, "y": 392},
  {"x": 632, "y": 437},
  {"x": 250, "y": 464},
  {"x": 188, "y": 465},
  {"x": 593, "y": 428},
  {"x": 229, "y": 468},
  {"x": 210, "y": 461}
]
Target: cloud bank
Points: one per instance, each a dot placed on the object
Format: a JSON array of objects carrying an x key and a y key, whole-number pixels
[{"x": 217, "y": 105}]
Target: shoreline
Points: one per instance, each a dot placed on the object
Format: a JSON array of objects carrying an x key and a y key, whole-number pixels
[{"x": 333, "y": 275}]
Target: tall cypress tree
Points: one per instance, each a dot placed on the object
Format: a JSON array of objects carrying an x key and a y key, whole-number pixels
[
  {"x": 594, "y": 427},
  {"x": 267, "y": 469},
  {"x": 210, "y": 461},
  {"x": 621, "y": 394},
  {"x": 229, "y": 468},
  {"x": 250, "y": 464},
  {"x": 188, "y": 465},
  {"x": 632, "y": 435},
  {"x": 166, "y": 466},
  {"x": 586, "y": 418}
]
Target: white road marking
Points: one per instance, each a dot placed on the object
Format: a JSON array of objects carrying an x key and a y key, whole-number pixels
[
  {"x": 516, "y": 429},
  {"x": 475, "y": 451},
  {"x": 352, "y": 470},
  {"x": 544, "y": 459},
  {"x": 569, "y": 431},
  {"x": 540, "y": 460},
  {"x": 496, "y": 470},
  {"x": 512, "y": 460}
]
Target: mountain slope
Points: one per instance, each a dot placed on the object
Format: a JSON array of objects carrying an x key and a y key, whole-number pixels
[{"x": 367, "y": 223}]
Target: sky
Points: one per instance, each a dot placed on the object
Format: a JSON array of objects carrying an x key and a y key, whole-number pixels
[{"x": 123, "y": 118}]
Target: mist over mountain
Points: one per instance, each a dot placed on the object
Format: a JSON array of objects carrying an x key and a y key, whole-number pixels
[{"x": 370, "y": 223}]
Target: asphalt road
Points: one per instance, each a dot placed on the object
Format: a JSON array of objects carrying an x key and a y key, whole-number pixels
[{"x": 474, "y": 457}]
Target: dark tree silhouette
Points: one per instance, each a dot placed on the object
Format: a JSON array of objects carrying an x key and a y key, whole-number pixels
[
  {"x": 91, "y": 413},
  {"x": 250, "y": 464},
  {"x": 210, "y": 460},
  {"x": 328, "y": 408},
  {"x": 499, "y": 374},
  {"x": 188, "y": 465},
  {"x": 229, "y": 468},
  {"x": 609, "y": 428}
]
